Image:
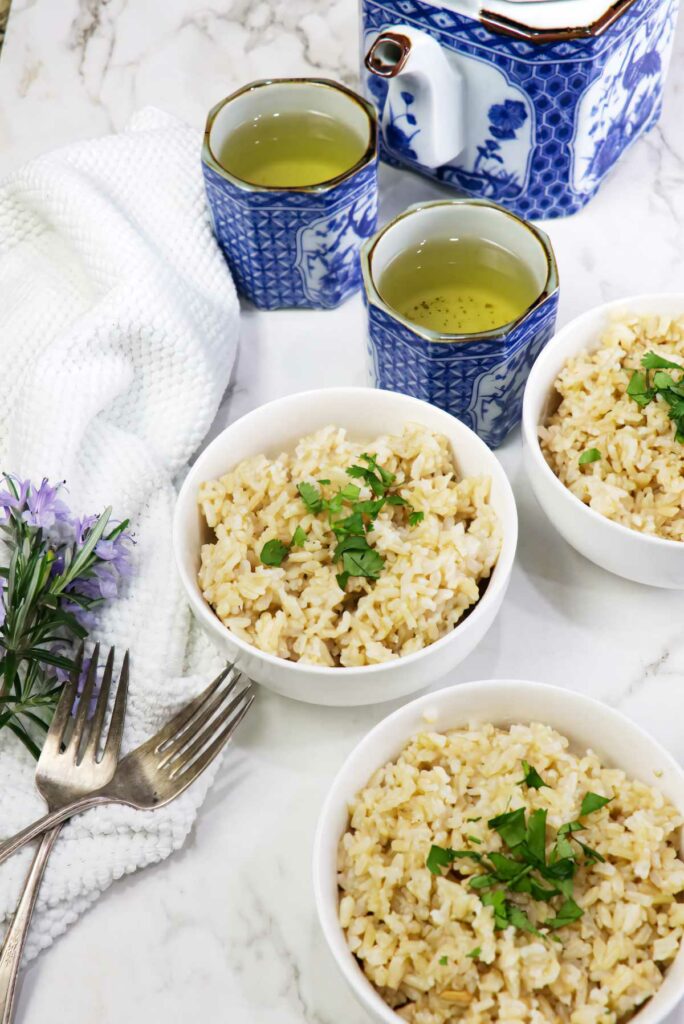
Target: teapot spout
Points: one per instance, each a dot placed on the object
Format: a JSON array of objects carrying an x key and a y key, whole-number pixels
[
  {"x": 388, "y": 54},
  {"x": 424, "y": 113}
]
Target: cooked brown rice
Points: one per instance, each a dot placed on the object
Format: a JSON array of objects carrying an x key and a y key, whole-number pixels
[
  {"x": 412, "y": 931},
  {"x": 432, "y": 572},
  {"x": 639, "y": 479}
]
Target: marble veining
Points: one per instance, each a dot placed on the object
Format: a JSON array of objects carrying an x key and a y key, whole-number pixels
[{"x": 226, "y": 930}]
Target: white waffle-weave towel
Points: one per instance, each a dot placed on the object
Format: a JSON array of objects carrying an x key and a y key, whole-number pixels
[{"x": 118, "y": 331}]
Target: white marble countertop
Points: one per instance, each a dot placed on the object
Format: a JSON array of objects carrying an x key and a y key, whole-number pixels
[{"x": 225, "y": 930}]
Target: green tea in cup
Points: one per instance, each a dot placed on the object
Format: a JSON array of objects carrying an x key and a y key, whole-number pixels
[
  {"x": 290, "y": 149},
  {"x": 458, "y": 285}
]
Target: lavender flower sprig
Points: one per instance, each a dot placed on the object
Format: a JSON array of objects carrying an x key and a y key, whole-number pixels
[{"x": 55, "y": 571}]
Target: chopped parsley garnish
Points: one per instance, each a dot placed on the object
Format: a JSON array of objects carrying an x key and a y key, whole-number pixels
[
  {"x": 532, "y": 779},
  {"x": 311, "y": 498},
  {"x": 474, "y": 819},
  {"x": 350, "y": 518},
  {"x": 274, "y": 552},
  {"x": 298, "y": 538},
  {"x": 593, "y": 802},
  {"x": 474, "y": 953},
  {"x": 590, "y": 455},
  {"x": 523, "y": 865},
  {"x": 363, "y": 563},
  {"x": 474, "y": 839},
  {"x": 643, "y": 388},
  {"x": 443, "y": 961}
]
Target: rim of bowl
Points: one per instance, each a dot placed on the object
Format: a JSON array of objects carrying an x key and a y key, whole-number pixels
[
  {"x": 326, "y": 912},
  {"x": 529, "y": 427},
  {"x": 497, "y": 581}
]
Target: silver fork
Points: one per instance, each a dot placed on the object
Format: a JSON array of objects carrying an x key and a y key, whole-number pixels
[
  {"x": 68, "y": 765},
  {"x": 164, "y": 766}
]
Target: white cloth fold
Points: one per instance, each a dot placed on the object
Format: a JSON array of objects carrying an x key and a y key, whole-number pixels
[{"x": 118, "y": 331}]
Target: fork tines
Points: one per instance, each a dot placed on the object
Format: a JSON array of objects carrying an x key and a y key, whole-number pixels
[
  {"x": 83, "y": 740},
  {"x": 191, "y": 740}
]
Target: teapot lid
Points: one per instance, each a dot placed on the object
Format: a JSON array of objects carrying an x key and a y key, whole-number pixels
[{"x": 550, "y": 20}]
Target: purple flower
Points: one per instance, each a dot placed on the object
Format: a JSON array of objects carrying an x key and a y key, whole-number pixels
[
  {"x": 45, "y": 508},
  {"x": 84, "y": 616},
  {"x": 82, "y": 527},
  {"x": 10, "y": 501}
]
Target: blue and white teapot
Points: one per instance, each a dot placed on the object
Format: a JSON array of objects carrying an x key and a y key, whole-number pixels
[{"x": 526, "y": 102}]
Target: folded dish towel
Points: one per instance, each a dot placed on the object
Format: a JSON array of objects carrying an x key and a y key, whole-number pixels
[{"x": 118, "y": 328}]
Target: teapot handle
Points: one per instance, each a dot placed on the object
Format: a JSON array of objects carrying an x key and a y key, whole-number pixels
[{"x": 423, "y": 119}]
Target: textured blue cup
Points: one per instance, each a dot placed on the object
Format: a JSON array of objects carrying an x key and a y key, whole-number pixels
[
  {"x": 478, "y": 378},
  {"x": 295, "y": 246}
]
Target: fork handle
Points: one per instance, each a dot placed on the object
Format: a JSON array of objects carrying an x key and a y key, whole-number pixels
[
  {"x": 12, "y": 947},
  {"x": 48, "y": 821}
]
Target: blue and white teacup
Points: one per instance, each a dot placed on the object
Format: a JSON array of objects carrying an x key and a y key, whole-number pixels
[
  {"x": 479, "y": 378},
  {"x": 293, "y": 246}
]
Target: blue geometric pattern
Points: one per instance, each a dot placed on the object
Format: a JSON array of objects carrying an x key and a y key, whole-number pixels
[
  {"x": 478, "y": 382},
  {"x": 576, "y": 141},
  {"x": 289, "y": 249}
]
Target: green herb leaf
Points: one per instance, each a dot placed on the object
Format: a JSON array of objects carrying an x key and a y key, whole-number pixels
[
  {"x": 562, "y": 849},
  {"x": 592, "y": 855},
  {"x": 474, "y": 839},
  {"x": 519, "y": 919},
  {"x": 593, "y": 802},
  {"x": 350, "y": 492},
  {"x": 590, "y": 455},
  {"x": 342, "y": 580},
  {"x": 443, "y": 961},
  {"x": 396, "y": 499},
  {"x": 415, "y": 518},
  {"x": 440, "y": 857},
  {"x": 311, "y": 497},
  {"x": 510, "y": 826},
  {"x": 505, "y": 868},
  {"x": 474, "y": 819},
  {"x": 485, "y": 881},
  {"x": 351, "y": 524},
  {"x": 532, "y": 779},
  {"x": 363, "y": 563},
  {"x": 638, "y": 384},
  {"x": 497, "y": 901},
  {"x": 274, "y": 552},
  {"x": 570, "y": 826},
  {"x": 474, "y": 953},
  {"x": 662, "y": 381},
  {"x": 568, "y": 913},
  {"x": 299, "y": 538},
  {"x": 651, "y": 361},
  {"x": 324, "y": 481},
  {"x": 559, "y": 871},
  {"x": 535, "y": 839},
  {"x": 353, "y": 542}
]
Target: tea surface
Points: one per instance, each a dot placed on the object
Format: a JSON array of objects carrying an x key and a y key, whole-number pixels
[
  {"x": 458, "y": 286},
  {"x": 291, "y": 150}
]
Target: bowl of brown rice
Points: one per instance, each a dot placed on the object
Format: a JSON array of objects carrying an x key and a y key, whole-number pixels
[
  {"x": 505, "y": 851},
  {"x": 603, "y": 436},
  {"x": 346, "y": 546}
]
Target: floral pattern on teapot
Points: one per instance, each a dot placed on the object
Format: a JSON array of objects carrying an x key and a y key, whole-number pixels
[{"x": 545, "y": 123}]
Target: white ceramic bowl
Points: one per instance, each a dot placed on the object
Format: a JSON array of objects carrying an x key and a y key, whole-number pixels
[
  {"x": 628, "y": 553},
  {"x": 365, "y": 413},
  {"x": 586, "y": 723}
]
